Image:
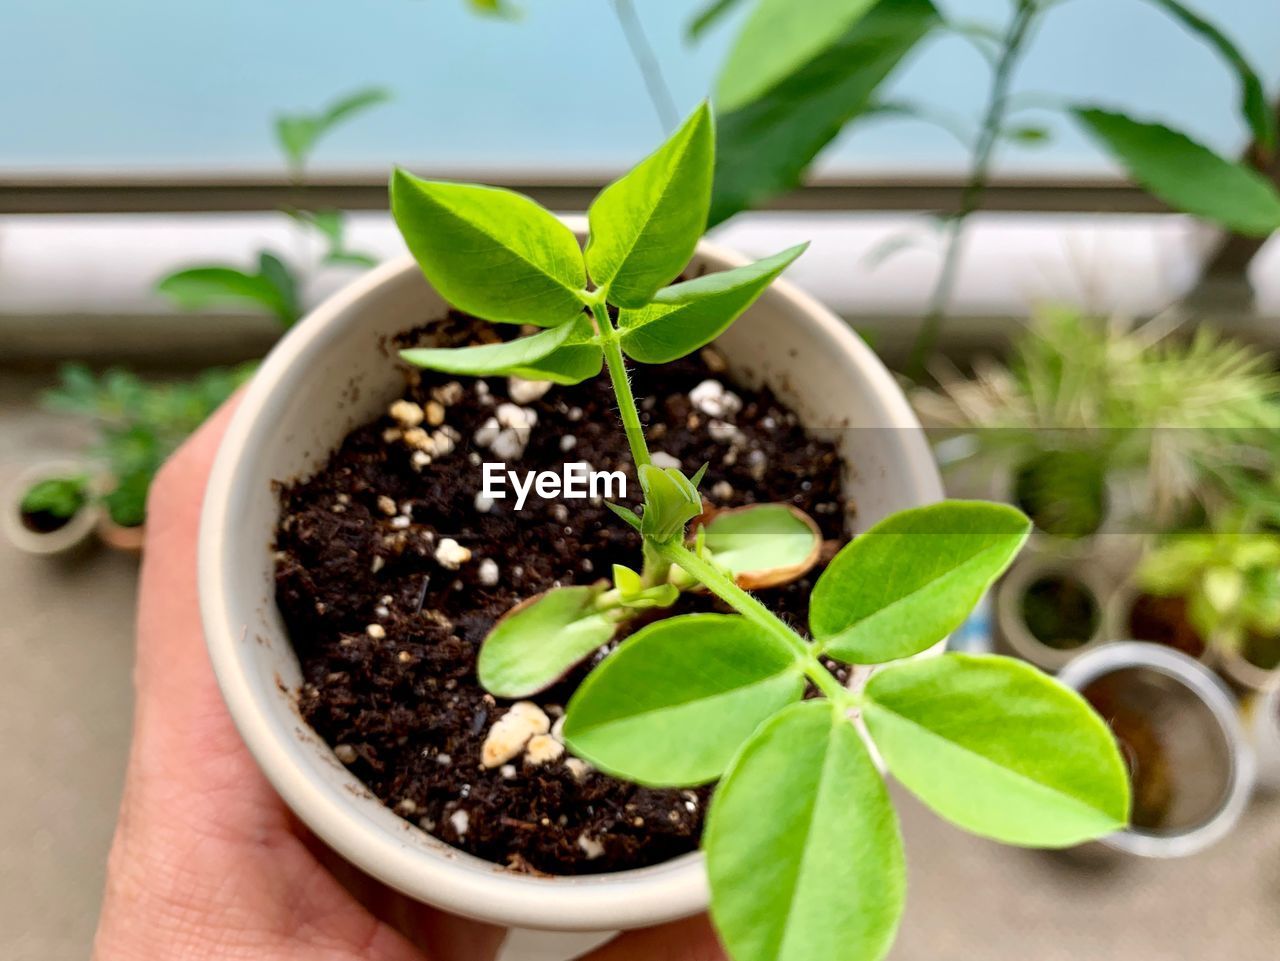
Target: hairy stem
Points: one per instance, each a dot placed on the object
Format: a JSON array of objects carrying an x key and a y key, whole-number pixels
[
  {"x": 1012, "y": 46},
  {"x": 655, "y": 83},
  {"x": 621, "y": 384}
]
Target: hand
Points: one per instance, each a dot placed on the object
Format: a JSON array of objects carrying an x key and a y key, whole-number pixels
[{"x": 207, "y": 861}]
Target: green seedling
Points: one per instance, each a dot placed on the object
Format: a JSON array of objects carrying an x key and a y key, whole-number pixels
[
  {"x": 139, "y": 424},
  {"x": 274, "y": 285},
  {"x": 802, "y": 843},
  {"x": 59, "y": 497}
]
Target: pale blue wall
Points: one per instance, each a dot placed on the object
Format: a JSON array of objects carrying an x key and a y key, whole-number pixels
[{"x": 190, "y": 83}]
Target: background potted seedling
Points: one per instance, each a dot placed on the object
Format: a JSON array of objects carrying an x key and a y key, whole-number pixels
[
  {"x": 1106, "y": 426},
  {"x": 1191, "y": 768},
  {"x": 653, "y": 711},
  {"x": 50, "y": 508},
  {"x": 1049, "y": 609},
  {"x": 1222, "y": 589},
  {"x": 138, "y": 425}
]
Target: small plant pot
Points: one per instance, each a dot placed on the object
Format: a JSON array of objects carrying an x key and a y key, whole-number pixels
[
  {"x": 1262, "y": 713},
  {"x": 332, "y": 372},
  {"x": 127, "y": 540},
  {"x": 1243, "y": 667},
  {"x": 30, "y": 535},
  {"x": 1049, "y": 610},
  {"x": 1136, "y": 615},
  {"x": 1190, "y": 764}
]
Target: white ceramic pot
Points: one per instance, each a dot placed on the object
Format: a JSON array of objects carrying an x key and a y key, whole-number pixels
[
  {"x": 1244, "y": 672},
  {"x": 70, "y": 535},
  {"x": 332, "y": 372}
]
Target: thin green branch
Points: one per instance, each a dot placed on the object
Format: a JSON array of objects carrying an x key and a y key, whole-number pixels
[
  {"x": 1013, "y": 45},
  {"x": 664, "y": 105}
]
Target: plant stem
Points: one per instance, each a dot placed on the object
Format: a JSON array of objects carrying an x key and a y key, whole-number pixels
[
  {"x": 674, "y": 551},
  {"x": 1012, "y": 46},
  {"x": 723, "y": 586},
  {"x": 655, "y": 83},
  {"x": 621, "y": 384}
]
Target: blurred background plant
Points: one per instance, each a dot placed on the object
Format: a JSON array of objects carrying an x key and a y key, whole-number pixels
[
  {"x": 1230, "y": 581},
  {"x": 139, "y": 424},
  {"x": 277, "y": 284},
  {"x": 1083, "y": 400},
  {"x": 48, "y": 504},
  {"x": 800, "y": 71}
]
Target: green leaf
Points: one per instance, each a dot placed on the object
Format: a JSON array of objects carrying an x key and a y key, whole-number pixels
[
  {"x": 645, "y": 225},
  {"x": 912, "y": 579},
  {"x": 278, "y": 275},
  {"x": 707, "y": 17},
  {"x": 540, "y": 640},
  {"x": 299, "y": 133},
  {"x": 491, "y": 252},
  {"x": 660, "y": 595},
  {"x": 350, "y": 258},
  {"x": 626, "y": 513},
  {"x": 578, "y": 359},
  {"x": 1029, "y": 135},
  {"x": 513, "y": 357},
  {"x": 673, "y": 704},
  {"x": 1186, "y": 175},
  {"x": 332, "y": 225},
  {"x": 58, "y": 496},
  {"x": 689, "y": 315},
  {"x": 779, "y": 38},
  {"x": 198, "y": 288},
  {"x": 999, "y": 749},
  {"x": 1253, "y": 96},
  {"x": 764, "y": 145},
  {"x": 763, "y": 545},
  {"x": 498, "y": 9},
  {"x": 626, "y": 580},
  {"x": 671, "y": 500},
  {"x": 803, "y": 850}
]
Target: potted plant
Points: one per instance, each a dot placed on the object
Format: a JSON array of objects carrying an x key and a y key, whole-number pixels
[
  {"x": 1213, "y": 591},
  {"x": 1050, "y": 610},
  {"x": 560, "y": 684},
  {"x": 1090, "y": 419},
  {"x": 138, "y": 424},
  {"x": 50, "y": 508},
  {"x": 1191, "y": 769}
]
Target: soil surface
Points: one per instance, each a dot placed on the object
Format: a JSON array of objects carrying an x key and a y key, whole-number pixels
[
  {"x": 1163, "y": 620},
  {"x": 43, "y": 522},
  {"x": 1060, "y": 612},
  {"x": 390, "y": 571}
]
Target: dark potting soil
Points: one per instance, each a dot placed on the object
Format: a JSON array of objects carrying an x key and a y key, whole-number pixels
[
  {"x": 1262, "y": 650},
  {"x": 1144, "y": 752},
  {"x": 1164, "y": 620},
  {"x": 1060, "y": 612},
  {"x": 387, "y": 630},
  {"x": 43, "y": 522}
]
